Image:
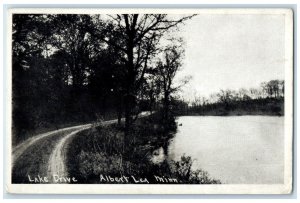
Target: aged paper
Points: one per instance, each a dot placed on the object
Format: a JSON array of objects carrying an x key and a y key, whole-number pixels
[{"x": 150, "y": 101}]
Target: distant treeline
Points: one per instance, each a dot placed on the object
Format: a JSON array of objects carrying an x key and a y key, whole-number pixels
[
  {"x": 268, "y": 99},
  {"x": 263, "y": 106}
]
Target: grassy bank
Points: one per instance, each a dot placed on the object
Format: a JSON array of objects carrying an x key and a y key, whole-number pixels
[{"x": 100, "y": 151}]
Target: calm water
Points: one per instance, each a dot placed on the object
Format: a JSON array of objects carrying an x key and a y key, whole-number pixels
[{"x": 235, "y": 149}]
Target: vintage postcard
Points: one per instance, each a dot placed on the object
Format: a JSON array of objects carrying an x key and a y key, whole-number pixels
[{"x": 149, "y": 101}]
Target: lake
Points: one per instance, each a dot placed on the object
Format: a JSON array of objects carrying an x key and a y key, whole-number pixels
[{"x": 233, "y": 149}]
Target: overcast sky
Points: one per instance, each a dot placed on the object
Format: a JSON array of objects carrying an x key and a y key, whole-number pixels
[{"x": 232, "y": 51}]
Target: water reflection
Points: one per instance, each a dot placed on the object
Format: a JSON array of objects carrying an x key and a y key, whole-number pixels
[
  {"x": 236, "y": 149},
  {"x": 158, "y": 156},
  {"x": 161, "y": 148}
]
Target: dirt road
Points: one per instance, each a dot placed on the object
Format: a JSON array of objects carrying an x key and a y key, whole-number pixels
[
  {"x": 39, "y": 158},
  {"x": 19, "y": 149},
  {"x": 42, "y": 155}
]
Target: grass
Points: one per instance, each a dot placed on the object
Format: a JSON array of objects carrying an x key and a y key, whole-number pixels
[{"x": 101, "y": 150}]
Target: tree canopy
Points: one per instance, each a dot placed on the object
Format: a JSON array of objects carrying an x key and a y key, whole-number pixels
[{"x": 70, "y": 68}]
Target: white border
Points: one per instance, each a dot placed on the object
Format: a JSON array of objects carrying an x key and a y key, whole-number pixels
[{"x": 164, "y": 189}]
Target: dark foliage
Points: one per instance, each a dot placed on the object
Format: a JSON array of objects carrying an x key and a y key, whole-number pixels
[{"x": 70, "y": 68}]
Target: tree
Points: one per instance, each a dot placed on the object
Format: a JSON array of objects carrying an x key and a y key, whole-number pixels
[
  {"x": 226, "y": 97},
  {"x": 281, "y": 87},
  {"x": 167, "y": 69},
  {"x": 243, "y": 94},
  {"x": 73, "y": 36},
  {"x": 273, "y": 88},
  {"x": 137, "y": 37},
  {"x": 254, "y": 93},
  {"x": 152, "y": 88},
  {"x": 31, "y": 74}
]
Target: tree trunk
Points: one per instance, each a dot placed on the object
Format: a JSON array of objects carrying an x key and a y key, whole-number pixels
[
  {"x": 166, "y": 106},
  {"x": 119, "y": 105},
  {"x": 130, "y": 95}
]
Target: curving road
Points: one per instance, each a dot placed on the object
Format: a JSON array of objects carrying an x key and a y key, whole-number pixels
[{"x": 44, "y": 155}]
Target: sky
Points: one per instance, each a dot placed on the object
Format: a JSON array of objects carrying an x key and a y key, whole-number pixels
[{"x": 231, "y": 51}]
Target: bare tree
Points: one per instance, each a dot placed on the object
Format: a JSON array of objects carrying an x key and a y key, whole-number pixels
[
  {"x": 243, "y": 94},
  {"x": 167, "y": 68},
  {"x": 281, "y": 87},
  {"x": 226, "y": 97},
  {"x": 137, "y": 37},
  {"x": 273, "y": 88}
]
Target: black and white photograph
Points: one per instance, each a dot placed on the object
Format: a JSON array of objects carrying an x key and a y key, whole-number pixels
[{"x": 150, "y": 101}]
